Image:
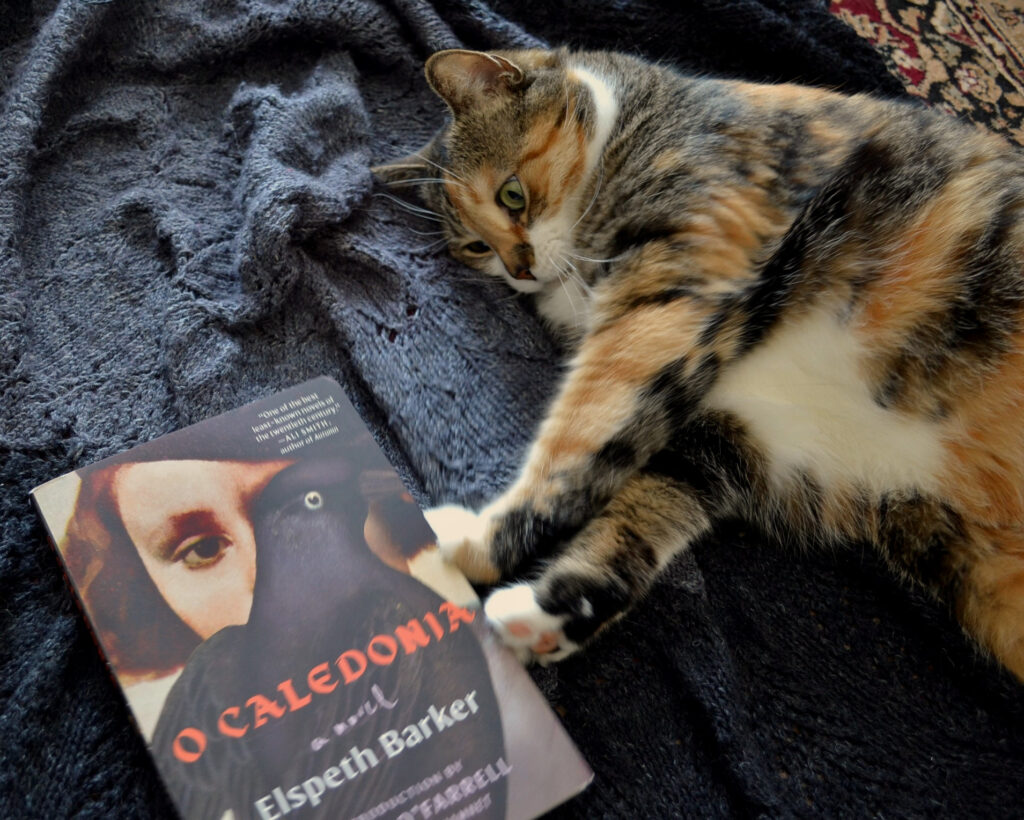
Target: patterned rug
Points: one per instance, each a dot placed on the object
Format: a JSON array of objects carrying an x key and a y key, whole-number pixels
[{"x": 966, "y": 56}]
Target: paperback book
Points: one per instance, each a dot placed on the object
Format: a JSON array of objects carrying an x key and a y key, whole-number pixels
[{"x": 272, "y": 603}]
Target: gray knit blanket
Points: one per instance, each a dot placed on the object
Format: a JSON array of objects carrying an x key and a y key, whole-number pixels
[{"x": 188, "y": 222}]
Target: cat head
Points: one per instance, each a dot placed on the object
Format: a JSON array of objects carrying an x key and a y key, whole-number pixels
[{"x": 514, "y": 170}]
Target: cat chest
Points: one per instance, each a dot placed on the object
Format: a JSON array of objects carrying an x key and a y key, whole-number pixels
[{"x": 805, "y": 401}]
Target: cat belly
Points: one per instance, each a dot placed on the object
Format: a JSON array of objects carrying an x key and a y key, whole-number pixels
[{"x": 804, "y": 398}]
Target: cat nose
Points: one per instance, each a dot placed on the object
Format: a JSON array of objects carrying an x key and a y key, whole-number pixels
[{"x": 522, "y": 261}]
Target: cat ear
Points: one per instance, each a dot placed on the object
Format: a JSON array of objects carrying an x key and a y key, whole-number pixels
[{"x": 467, "y": 79}]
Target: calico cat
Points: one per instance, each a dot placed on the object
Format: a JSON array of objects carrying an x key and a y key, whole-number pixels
[{"x": 787, "y": 304}]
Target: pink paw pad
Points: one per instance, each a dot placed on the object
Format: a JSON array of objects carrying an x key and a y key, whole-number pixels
[
  {"x": 548, "y": 643},
  {"x": 519, "y": 629}
]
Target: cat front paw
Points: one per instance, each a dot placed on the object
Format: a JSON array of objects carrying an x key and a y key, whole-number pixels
[
  {"x": 533, "y": 634},
  {"x": 462, "y": 539}
]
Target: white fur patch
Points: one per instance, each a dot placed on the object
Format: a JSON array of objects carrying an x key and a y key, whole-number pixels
[
  {"x": 607, "y": 107},
  {"x": 453, "y": 524},
  {"x": 462, "y": 540},
  {"x": 565, "y": 298},
  {"x": 566, "y": 306},
  {"x": 803, "y": 396}
]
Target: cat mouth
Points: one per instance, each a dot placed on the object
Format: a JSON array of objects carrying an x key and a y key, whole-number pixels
[{"x": 524, "y": 275}]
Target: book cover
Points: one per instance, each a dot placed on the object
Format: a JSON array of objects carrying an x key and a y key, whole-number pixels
[{"x": 272, "y": 604}]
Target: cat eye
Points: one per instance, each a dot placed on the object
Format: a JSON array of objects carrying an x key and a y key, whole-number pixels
[
  {"x": 477, "y": 248},
  {"x": 511, "y": 195}
]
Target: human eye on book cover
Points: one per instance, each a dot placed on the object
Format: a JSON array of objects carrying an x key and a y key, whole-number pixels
[{"x": 271, "y": 601}]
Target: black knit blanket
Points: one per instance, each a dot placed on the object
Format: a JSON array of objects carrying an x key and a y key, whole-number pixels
[{"x": 188, "y": 222}]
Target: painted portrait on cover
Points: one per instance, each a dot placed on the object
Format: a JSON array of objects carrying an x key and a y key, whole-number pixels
[{"x": 168, "y": 550}]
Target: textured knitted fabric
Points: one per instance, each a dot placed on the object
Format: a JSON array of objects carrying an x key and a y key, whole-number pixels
[{"x": 188, "y": 222}]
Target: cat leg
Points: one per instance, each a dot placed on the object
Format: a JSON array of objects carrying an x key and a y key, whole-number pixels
[
  {"x": 585, "y": 450},
  {"x": 628, "y": 389},
  {"x": 992, "y": 600},
  {"x": 602, "y": 572},
  {"x": 706, "y": 469}
]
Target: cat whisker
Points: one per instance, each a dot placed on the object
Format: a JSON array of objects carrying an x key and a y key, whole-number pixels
[
  {"x": 572, "y": 277},
  {"x": 441, "y": 168},
  {"x": 600, "y": 261},
  {"x": 424, "y": 181},
  {"x": 405, "y": 204},
  {"x": 593, "y": 199},
  {"x": 415, "y": 209},
  {"x": 572, "y": 272},
  {"x": 569, "y": 275},
  {"x": 568, "y": 295},
  {"x": 431, "y": 247}
]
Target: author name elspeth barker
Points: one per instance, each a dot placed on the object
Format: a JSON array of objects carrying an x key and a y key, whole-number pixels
[{"x": 392, "y": 743}]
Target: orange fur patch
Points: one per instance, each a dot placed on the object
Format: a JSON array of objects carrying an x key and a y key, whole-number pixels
[
  {"x": 601, "y": 392},
  {"x": 783, "y": 95},
  {"x": 552, "y": 174},
  {"x": 668, "y": 160},
  {"x": 539, "y": 140},
  {"x": 993, "y": 604},
  {"x": 985, "y": 471},
  {"x": 919, "y": 279},
  {"x": 716, "y": 245}
]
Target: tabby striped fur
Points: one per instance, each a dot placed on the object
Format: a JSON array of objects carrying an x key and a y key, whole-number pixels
[{"x": 787, "y": 304}]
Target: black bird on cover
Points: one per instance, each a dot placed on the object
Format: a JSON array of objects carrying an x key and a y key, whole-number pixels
[{"x": 262, "y": 721}]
